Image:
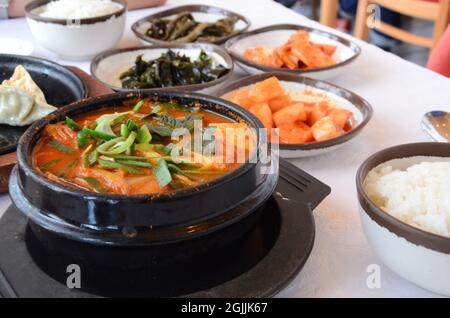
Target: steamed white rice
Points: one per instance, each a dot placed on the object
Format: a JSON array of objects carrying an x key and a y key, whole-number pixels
[
  {"x": 78, "y": 9},
  {"x": 419, "y": 195}
]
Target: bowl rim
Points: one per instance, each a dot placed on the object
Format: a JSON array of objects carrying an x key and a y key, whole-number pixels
[
  {"x": 24, "y": 149},
  {"x": 400, "y": 228},
  {"x": 39, "y": 3},
  {"x": 209, "y": 48},
  {"x": 360, "y": 103},
  {"x": 192, "y": 8},
  {"x": 348, "y": 43}
]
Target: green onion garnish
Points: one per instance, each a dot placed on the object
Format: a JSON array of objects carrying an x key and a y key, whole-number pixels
[
  {"x": 162, "y": 173},
  {"x": 138, "y": 106},
  {"x": 61, "y": 147},
  {"x": 72, "y": 124}
]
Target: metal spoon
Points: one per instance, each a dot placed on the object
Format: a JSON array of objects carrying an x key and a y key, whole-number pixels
[{"x": 437, "y": 125}]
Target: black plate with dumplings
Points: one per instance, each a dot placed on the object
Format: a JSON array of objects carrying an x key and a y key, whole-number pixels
[{"x": 60, "y": 86}]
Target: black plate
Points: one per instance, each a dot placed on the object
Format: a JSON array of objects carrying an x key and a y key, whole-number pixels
[
  {"x": 60, "y": 86},
  {"x": 260, "y": 264}
]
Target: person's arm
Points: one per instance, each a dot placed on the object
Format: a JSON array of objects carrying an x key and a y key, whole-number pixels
[
  {"x": 439, "y": 61},
  {"x": 17, "y": 7},
  {"x": 139, "y": 4}
]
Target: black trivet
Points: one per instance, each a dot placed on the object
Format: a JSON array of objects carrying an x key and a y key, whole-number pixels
[{"x": 258, "y": 265}]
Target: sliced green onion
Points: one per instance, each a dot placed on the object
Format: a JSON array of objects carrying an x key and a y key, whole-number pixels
[
  {"x": 85, "y": 156},
  {"x": 160, "y": 130},
  {"x": 144, "y": 135},
  {"x": 118, "y": 120},
  {"x": 131, "y": 125},
  {"x": 82, "y": 139},
  {"x": 70, "y": 165},
  {"x": 61, "y": 147},
  {"x": 124, "y": 131},
  {"x": 97, "y": 134},
  {"x": 143, "y": 147},
  {"x": 177, "y": 170},
  {"x": 162, "y": 173},
  {"x": 72, "y": 124},
  {"x": 106, "y": 164},
  {"x": 49, "y": 164},
  {"x": 168, "y": 149},
  {"x": 135, "y": 163},
  {"x": 138, "y": 106},
  {"x": 93, "y": 157},
  {"x": 95, "y": 184},
  {"x": 122, "y": 157},
  {"x": 105, "y": 122},
  {"x": 118, "y": 145}
]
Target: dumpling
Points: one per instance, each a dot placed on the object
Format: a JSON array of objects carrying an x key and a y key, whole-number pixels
[
  {"x": 22, "y": 102},
  {"x": 22, "y": 79},
  {"x": 18, "y": 108}
]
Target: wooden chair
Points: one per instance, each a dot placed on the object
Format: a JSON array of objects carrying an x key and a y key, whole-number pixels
[
  {"x": 437, "y": 11},
  {"x": 329, "y": 12}
]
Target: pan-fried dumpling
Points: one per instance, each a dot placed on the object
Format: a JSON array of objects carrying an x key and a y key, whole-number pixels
[
  {"x": 22, "y": 79},
  {"x": 18, "y": 108},
  {"x": 21, "y": 101}
]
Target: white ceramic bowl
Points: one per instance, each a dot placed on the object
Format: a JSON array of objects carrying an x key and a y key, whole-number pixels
[
  {"x": 276, "y": 35},
  {"x": 76, "y": 39},
  {"x": 295, "y": 84},
  {"x": 421, "y": 257},
  {"x": 108, "y": 66}
]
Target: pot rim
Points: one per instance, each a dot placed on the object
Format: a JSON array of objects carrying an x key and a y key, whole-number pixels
[
  {"x": 192, "y": 8},
  {"x": 39, "y": 3},
  {"x": 350, "y": 44},
  {"x": 209, "y": 48},
  {"x": 360, "y": 103},
  {"x": 25, "y": 148},
  {"x": 402, "y": 229}
]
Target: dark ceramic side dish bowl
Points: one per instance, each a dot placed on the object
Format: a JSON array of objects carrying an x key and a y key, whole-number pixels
[
  {"x": 60, "y": 86},
  {"x": 417, "y": 255},
  {"x": 208, "y": 12},
  {"x": 361, "y": 109},
  {"x": 138, "y": 220}
]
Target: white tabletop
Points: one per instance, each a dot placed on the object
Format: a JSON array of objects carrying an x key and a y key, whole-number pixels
[{"x": 400, "y": 93}]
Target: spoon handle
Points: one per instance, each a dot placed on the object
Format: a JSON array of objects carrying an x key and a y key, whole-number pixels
[{"x": 437, "y": 125}]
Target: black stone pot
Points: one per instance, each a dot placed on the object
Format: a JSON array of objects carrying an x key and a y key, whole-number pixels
[{"x": 139, "y": 220}]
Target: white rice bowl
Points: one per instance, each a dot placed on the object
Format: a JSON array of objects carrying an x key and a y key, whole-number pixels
[
  {"x": 417, "y": 194},
  {"x": 77, "y": 9}
]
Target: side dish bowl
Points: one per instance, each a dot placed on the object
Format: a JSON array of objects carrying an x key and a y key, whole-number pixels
[
  {"x": 76, "y": 39},
  {"x": 362, "y": 110},
  {"x": 130, "y": 220},
  {"x": 201, "y": 13},
  {"x": 416, "y": 255},
  {"x": 108, "y": 66},
  {"x": 276, "y": 35}
]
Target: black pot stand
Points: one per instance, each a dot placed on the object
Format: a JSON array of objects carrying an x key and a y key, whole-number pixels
[{"x": 259, "y": 264}]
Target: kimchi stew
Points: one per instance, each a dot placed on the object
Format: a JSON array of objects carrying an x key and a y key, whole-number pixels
[{"x": 130, "y": 149}]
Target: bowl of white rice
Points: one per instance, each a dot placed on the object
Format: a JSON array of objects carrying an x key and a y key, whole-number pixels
[
  {"x": 77, "y": 29},
  {"x": 404, "y": 196}
]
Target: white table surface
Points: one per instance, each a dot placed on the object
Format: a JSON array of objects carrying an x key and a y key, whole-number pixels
[{"x": 400, "y": 93}]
